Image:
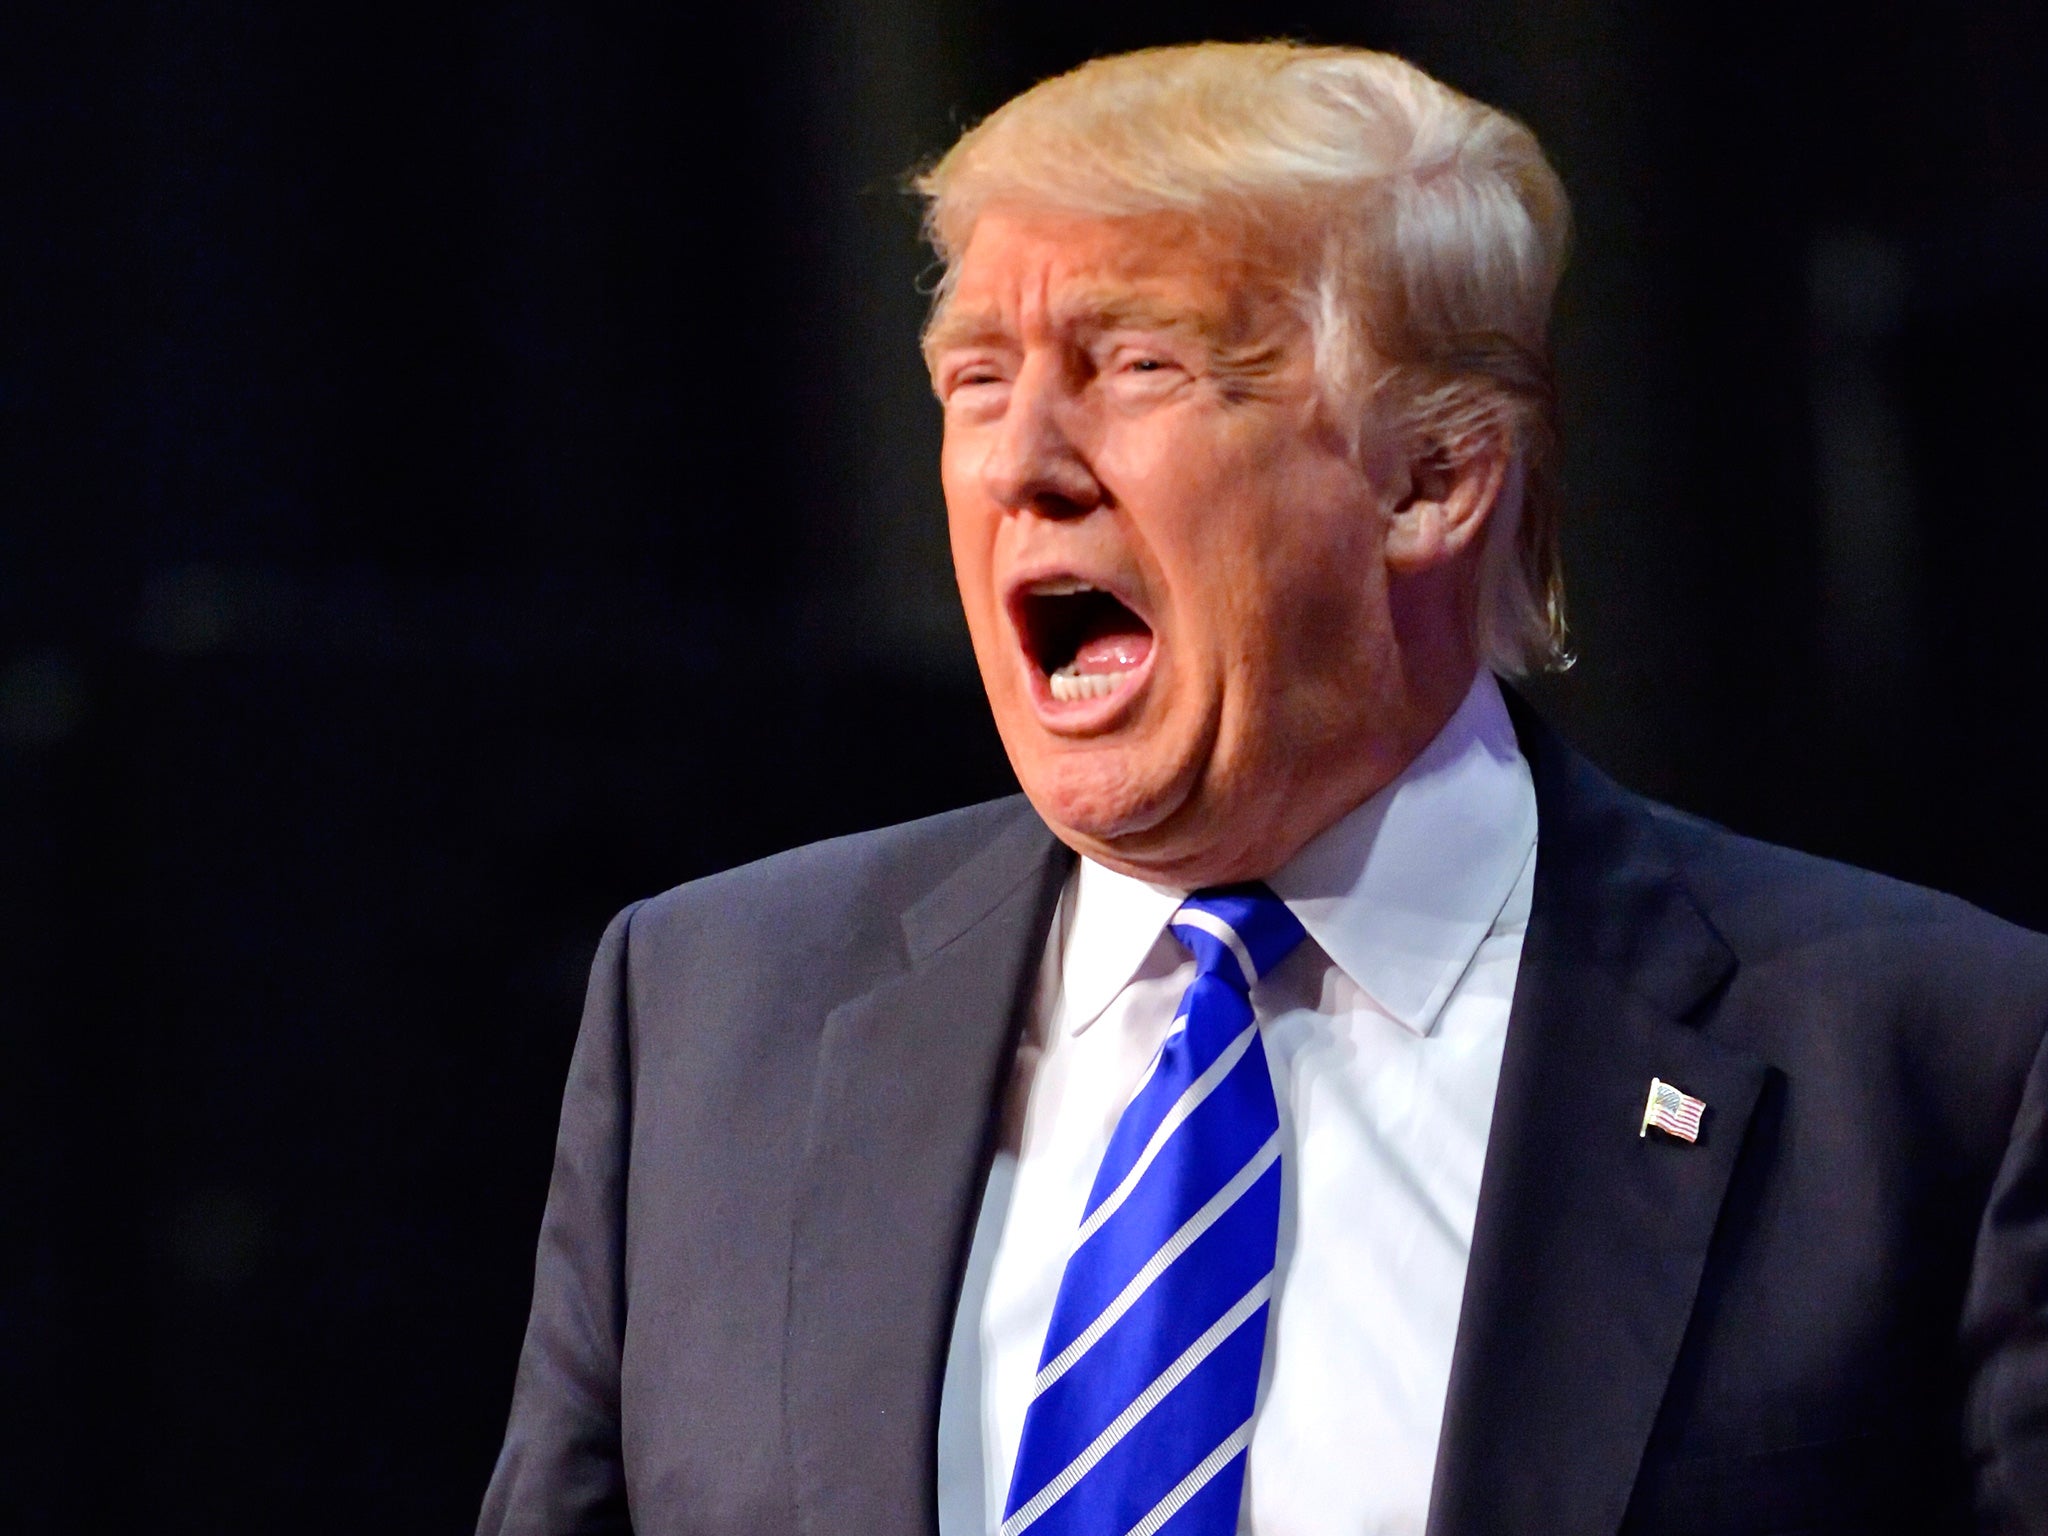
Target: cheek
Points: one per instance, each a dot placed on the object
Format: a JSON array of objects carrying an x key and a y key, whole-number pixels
[
  {"x": 1303, "y": 586},
  {"x": 1334, "y": 648},
  {"x": 971, "y": 525},
  {"x": 1183, "y": 503},
  {"x": 1162, "y": 461}
]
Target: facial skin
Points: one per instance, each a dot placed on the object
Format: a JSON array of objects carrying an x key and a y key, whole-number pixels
[{"x": 1130, "y": 406}]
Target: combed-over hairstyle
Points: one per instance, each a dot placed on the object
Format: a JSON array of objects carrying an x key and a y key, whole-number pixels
[{"x": 1428, "y": 228}]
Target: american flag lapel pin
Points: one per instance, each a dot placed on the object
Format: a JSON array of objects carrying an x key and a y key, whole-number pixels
[{"x": 1672, "y": 1112}]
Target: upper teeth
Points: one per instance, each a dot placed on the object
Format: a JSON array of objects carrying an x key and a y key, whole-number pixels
[
  {"x": 1060, "y": 586},
  {"x": 1067, "y": 684}
]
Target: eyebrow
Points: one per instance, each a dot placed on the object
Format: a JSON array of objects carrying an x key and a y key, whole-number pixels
[
  {"x": 1124, "y": 311},
  {"x": 1106, "y": 311}
]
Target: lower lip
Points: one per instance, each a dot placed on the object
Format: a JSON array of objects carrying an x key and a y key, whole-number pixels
[{"x": 1085, "y": 717}]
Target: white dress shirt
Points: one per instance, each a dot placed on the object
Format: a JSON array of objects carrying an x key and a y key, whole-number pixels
[{"x": 1384, "y": 1035}]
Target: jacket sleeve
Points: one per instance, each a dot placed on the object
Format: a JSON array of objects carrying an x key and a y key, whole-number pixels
[
  {"x": 561, "y": 1472},
  {"x": 2005, "y": 1329}
]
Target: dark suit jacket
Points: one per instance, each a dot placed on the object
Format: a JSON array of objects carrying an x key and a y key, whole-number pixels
[{"x": 1830, "y": 1314}]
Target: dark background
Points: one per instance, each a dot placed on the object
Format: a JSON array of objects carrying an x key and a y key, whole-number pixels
[{"x": 464, "y": 468}]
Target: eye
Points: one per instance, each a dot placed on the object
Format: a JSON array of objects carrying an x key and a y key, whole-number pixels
[
  {"x": 1149, "y": 369},
  {"x": 971, "y": 377}
]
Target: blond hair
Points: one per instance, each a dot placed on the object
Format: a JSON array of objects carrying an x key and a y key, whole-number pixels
[{"x": 1428, "y": 230}]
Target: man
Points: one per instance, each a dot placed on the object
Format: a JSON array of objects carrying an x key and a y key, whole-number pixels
[{"x": 1323, "y": 1103}]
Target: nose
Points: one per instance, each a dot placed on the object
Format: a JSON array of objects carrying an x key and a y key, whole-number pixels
[{"x": 1034, "y": 464}]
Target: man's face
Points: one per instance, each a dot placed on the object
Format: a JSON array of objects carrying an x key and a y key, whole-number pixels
[{"x": 1171, "y": 561}]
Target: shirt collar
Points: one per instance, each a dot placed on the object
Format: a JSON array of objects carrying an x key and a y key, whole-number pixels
[
  {"x": 1110, "y": 923},
  {"x": 1399, "y": 893},
  {"x": 1403, "y": 891}
]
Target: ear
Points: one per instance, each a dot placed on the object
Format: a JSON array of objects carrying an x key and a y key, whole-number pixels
[{"x": 1442, "y": 500}]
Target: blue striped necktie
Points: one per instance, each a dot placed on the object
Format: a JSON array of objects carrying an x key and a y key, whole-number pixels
[{"x": 1142, "y": 1409}]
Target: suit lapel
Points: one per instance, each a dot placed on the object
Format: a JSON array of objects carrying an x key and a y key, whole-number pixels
[
  {"x": 909, "y": 1076},
  {"x": 1590, "y": 1240}
]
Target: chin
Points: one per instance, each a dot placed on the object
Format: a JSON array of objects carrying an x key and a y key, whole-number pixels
[
  {"x": 1174, "y": 825},
  {"x": 1095, "y": 799}
]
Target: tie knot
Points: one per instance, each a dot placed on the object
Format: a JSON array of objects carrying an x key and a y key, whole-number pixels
[{"x": 1237, "y": 933}]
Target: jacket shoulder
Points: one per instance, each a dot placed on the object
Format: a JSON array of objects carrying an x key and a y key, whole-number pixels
[
  {"x": 1763, "y": 898},
  {"x": 1768, "y": 899},
  {"x": 892, "y": 866},
  {"x": 835, "y": 900}
]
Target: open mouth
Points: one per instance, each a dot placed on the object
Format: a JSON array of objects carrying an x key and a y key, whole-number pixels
[{"x": 1086, "y": 642}]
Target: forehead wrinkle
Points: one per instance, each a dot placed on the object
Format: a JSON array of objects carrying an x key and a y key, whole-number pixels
[
  {"x": 1116, "y": 308},
  {"x": 954, "y": 327}
]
